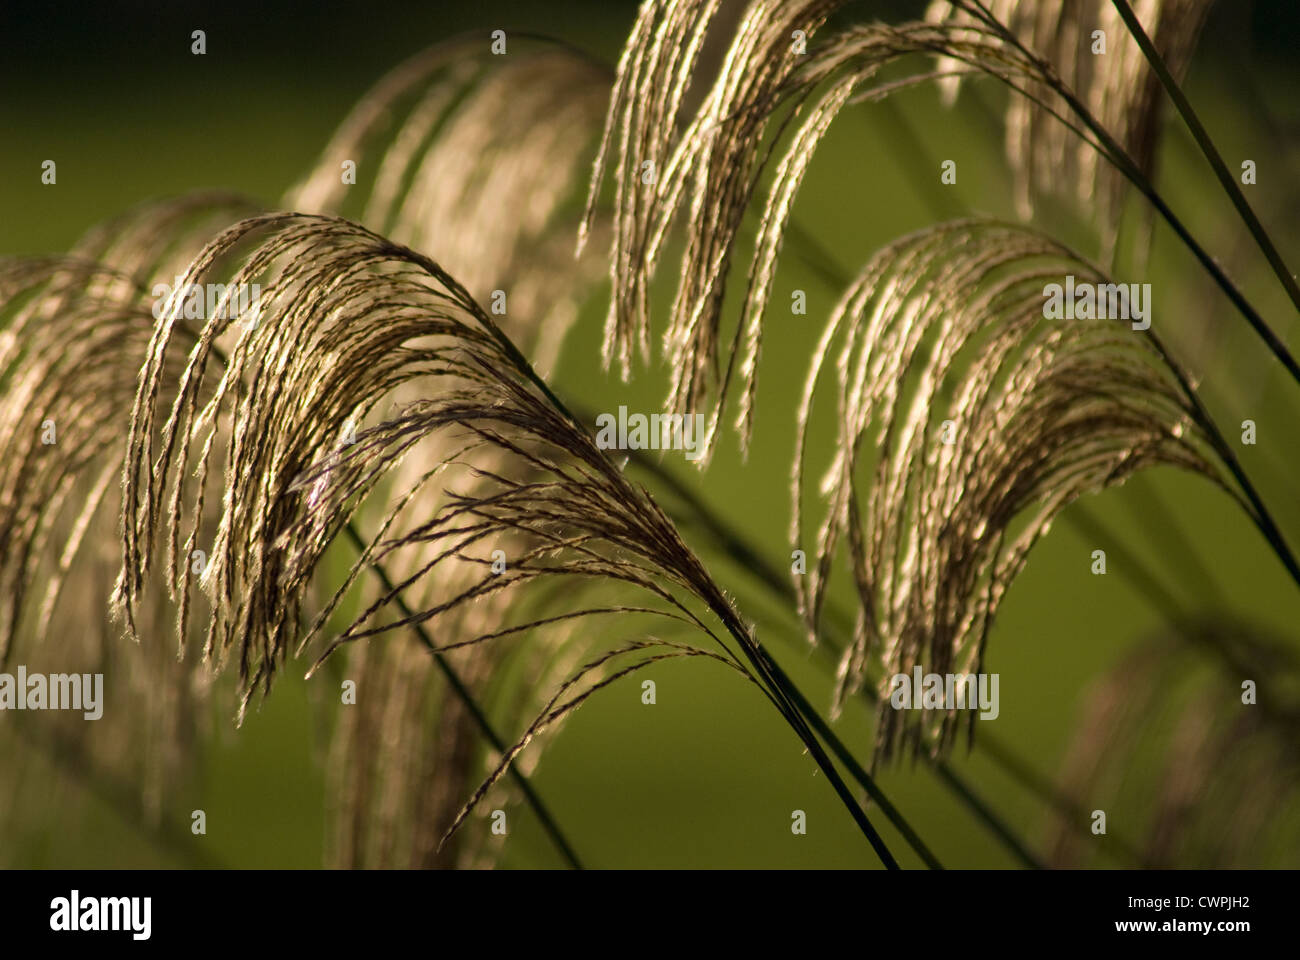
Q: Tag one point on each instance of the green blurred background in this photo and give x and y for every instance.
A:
(709, 776)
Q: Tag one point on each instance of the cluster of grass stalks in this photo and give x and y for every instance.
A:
(370, 465)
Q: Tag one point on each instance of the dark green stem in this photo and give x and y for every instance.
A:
(859, 774)
(784, 693)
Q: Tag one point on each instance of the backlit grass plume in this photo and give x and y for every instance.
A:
(68, 362)
(345, 318)
(967, 421)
